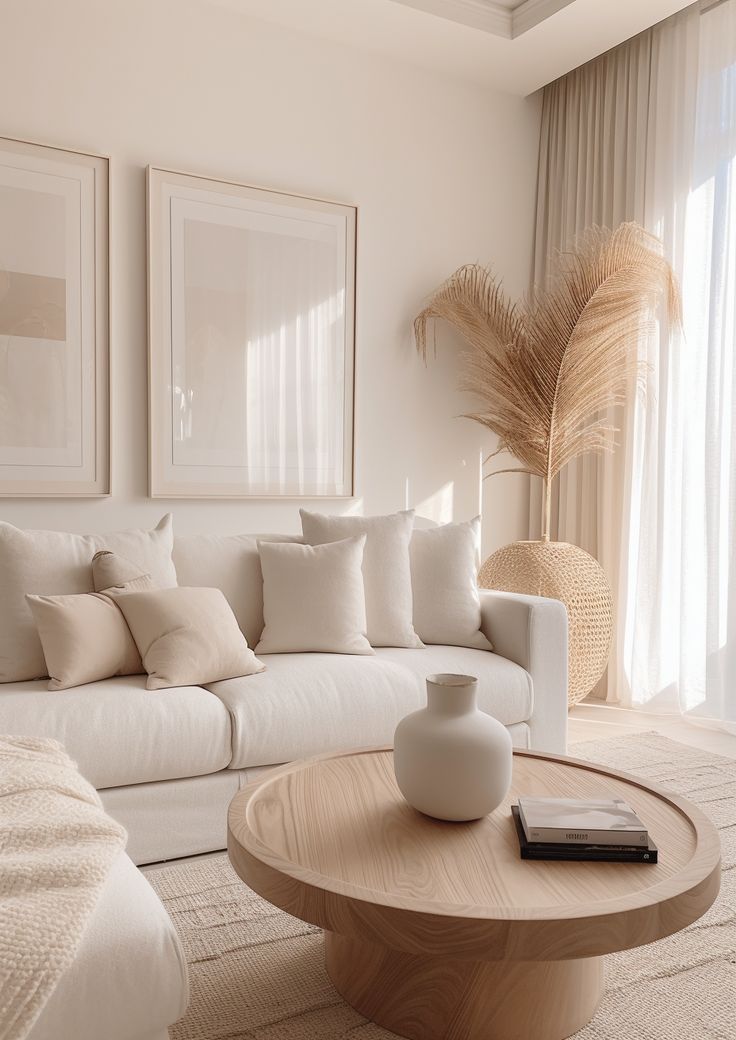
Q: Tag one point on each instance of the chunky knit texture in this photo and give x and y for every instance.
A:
(56, 847)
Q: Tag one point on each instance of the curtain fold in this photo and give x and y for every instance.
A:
(647, 132)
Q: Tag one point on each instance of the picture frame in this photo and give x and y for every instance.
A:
(251, 340)
(54, 321)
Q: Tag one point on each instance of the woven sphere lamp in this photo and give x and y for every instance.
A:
(559, 570)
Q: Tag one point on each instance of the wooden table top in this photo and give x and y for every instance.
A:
(332, 841)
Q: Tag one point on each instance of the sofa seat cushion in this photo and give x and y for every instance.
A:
(118, 732)
(129, 977)
(306, 704)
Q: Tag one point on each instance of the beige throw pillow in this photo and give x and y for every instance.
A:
(110, 569)
(444, 578)
(53, 563)
(186, 636)
(85, 637)
(313, 598)
(386, 570)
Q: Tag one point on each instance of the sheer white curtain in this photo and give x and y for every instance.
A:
(647, 132)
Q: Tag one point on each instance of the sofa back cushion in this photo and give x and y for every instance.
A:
(53, 563)
(231, 563)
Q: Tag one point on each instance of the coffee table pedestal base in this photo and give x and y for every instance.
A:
(429, 999)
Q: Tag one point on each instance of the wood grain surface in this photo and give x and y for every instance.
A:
(426, 998)
(332, 841)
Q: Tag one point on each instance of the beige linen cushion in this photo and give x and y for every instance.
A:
(85, 637)
(313, 598)
(386, 570)
(186, 636)
(110, 569)
(444, 578)
(52, 563)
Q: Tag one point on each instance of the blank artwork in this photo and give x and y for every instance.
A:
(53, 339)
(258, 290)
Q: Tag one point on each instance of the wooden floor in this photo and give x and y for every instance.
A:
(597, 721)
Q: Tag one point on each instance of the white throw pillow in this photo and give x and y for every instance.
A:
(51, 563)
(313, 598)
(444, 577)
(386, 569)
(186, 636)
(85, 637)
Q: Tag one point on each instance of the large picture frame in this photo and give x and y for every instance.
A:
(251, 341)
(54, 321)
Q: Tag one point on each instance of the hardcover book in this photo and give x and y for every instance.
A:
(580, 853)
(573, 821)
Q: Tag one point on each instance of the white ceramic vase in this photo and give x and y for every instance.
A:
(452, 761)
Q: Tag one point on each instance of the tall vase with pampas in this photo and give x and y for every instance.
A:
(545, 372)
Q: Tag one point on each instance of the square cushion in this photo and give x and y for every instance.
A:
(185, 636)
(118, 732)
(444, 579)
(313, 598)
(53, 563)
(85, 637)
(386, 569)
(307, 704)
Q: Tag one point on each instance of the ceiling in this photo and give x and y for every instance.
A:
(513, 45)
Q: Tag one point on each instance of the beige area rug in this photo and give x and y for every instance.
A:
(258, 974)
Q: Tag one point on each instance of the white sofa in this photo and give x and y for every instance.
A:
(129, 978)
(168, 762)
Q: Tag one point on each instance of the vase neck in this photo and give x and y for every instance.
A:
(452, 695)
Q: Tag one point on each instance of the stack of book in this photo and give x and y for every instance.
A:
(573, 829)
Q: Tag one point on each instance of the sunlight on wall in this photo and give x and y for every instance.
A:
(447, 504)
(355, 507)
(439, 506)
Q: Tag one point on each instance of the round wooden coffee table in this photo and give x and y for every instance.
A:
(437, 929)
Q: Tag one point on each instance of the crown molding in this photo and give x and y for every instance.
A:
(479, 14)
(532, 12)
(491, 17)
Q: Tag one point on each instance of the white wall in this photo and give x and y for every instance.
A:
(443, 173)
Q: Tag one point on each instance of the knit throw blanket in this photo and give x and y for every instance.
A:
(56, 847)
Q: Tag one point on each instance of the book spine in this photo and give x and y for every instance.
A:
(632, 855)
(559, 836)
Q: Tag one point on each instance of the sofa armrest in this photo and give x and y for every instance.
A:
(532, 632)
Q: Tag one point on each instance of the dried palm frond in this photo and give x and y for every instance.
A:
(545, 372)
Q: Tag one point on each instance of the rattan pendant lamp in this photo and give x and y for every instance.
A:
(545, 373)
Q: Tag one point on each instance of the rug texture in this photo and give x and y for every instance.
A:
(258, 974)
